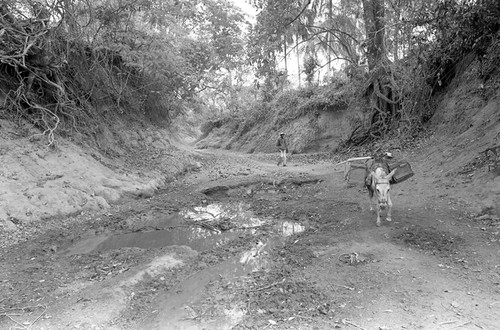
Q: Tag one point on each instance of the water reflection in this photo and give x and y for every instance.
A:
(198, 228)
(255, 259)
(238, 213)
(196, 238)
(288, 228)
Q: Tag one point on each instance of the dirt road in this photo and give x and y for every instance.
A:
(243, 244)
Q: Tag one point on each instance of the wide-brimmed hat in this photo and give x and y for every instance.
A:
(388, 154)
(282, 133)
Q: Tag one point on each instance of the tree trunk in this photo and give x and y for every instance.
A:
(329, 36)
(373, 14)
(396, 34)
(396, 44)
(286, 62)
(69, 18)
(298, 59)
(383, 102)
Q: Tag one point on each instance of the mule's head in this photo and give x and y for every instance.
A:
(381, 186)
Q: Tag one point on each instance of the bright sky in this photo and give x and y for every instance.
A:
(292, 60)
(245, 6)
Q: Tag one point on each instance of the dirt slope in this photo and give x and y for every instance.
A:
(39, 182)
(300, 250)
(466, 123)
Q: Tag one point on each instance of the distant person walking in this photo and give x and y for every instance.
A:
(283, 149)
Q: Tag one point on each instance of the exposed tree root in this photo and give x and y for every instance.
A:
(399, 105)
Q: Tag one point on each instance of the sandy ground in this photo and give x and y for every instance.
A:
(297, 248)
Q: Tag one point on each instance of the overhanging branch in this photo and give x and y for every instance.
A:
(300, 13)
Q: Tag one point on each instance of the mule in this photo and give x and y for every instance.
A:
(378, 183)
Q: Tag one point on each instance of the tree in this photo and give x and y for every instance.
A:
(374, 16)
(310, 65)
(64, 58)
(310, 27)
(275, 26)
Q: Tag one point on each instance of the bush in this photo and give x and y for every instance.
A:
(460, 28)
(490, 61)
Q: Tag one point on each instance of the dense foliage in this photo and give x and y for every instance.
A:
(397, 53)
(461, 29)
(67, 63)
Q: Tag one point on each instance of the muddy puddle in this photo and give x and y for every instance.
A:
(201, 228)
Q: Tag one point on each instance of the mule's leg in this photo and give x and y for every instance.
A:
(368, 185)
(389, 207)
(370, 194)
(378, 214)
(347, 169)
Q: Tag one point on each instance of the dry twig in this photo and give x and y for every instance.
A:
(352, 324)
(16, 322)
(461, 325)
(39, 316)
(270, 285)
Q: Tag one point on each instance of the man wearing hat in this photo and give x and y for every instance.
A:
(283, 148)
